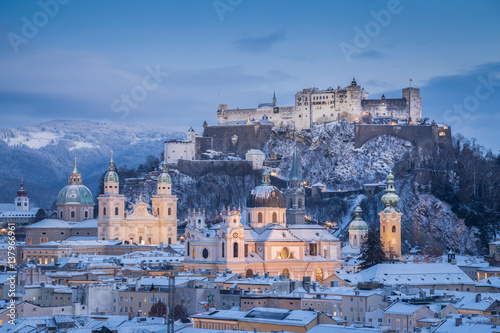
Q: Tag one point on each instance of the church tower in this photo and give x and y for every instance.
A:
(295, 194)
(390, 221)
(111, 206)
(232, 246)
(358, 229)
(164, 207)
(22, 202)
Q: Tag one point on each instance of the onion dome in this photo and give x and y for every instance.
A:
(358, 223)
(111, 176)
(390, 199)
(266, 195)
(164, 177)
(22, 192)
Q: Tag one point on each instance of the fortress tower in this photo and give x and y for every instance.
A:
(390, 221)
(413, 104)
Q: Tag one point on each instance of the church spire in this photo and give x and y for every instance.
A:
(390, 199)
(295, 177)
(274, 98)
(75, 178)
(112, 166)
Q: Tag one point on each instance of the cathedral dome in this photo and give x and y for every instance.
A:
(266, 195)
(75, 194)
(358, 223)
(111, 175)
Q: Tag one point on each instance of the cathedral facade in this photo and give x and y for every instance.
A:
(260, 240)
(141, 226)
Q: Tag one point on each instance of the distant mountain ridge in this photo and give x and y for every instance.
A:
(44, 154)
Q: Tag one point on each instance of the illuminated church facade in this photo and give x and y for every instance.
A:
(261, 240)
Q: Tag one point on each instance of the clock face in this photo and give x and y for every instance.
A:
(235, 235)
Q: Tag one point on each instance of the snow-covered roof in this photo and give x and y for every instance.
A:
(412, 274)
(56, 224)
(311, 233)
(255, 152)
(402, 308)
(276, 233)
(324, 328)
(493, 281)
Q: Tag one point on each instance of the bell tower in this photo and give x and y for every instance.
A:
(233, 243)
(164, 207)
(390, 221)
(111, 206)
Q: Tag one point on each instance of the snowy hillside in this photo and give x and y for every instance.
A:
(44, 154)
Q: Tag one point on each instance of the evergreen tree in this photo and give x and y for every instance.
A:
(40, 215)
(372, 251)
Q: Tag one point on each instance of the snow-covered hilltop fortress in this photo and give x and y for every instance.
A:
(314, 106)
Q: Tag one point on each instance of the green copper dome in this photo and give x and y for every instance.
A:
(164, 177)
(75, 194)
(358, 223)
(390, 199)
(111, 175)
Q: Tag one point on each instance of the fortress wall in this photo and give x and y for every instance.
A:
(422, 135)
(249, 137)
(199, 168)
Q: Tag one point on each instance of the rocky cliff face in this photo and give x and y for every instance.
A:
(327, 155)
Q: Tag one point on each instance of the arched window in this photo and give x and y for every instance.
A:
(248, 219)
(393, 228)
(260, 217)
(223, 250)
(299, 205)
(86, 214)
(249, 273)
(116, 210)
(187, 248)
(170, 211)
(72, 215)
(235, 250)
(383, 228)
(275, 217)
(290, 204)
(285, 272)
(194, 253)
(104, 211)
(319, 274)
(61, 214)
(140, 239)
(158, 211)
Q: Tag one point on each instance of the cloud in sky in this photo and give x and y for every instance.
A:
(260, 44)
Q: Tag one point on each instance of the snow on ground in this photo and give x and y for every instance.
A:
(33, 140)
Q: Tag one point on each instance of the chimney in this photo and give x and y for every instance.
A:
(306, 283)
(478, 298)
(458, 321)
(356, 292)
(432, 291)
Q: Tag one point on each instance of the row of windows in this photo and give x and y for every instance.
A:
(72, 214)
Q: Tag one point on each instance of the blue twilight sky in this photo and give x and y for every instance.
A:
(93, 59)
